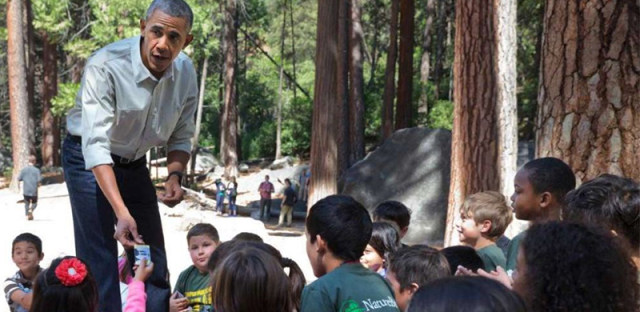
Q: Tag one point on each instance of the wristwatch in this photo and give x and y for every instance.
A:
(179, 174)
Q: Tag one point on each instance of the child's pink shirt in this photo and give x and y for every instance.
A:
(137, 297)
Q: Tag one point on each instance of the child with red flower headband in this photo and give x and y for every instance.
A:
(68, 286)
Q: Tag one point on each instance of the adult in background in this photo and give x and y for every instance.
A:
(265, 189)
(30, 177)
(136, 93)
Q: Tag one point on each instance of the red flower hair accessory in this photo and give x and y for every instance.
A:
(71, 271)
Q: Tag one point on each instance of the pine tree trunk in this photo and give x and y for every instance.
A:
(230, 95)
(423, 107)
(405, 65)
(196, 134)
(324, 146)
(375, 16)
(30, 61)
(443, 12)
(280, 95)
(484, 93)
(356, 99)
(50, 131)
(342, 113)
(390, 73)
(589, 96)
(18, 97)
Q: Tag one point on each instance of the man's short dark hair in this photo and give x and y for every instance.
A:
(464, 256)
(175, 8)
(343, 223)
(29, 238)
(418, 264)
(395, 211)
(551, 175)
(203, 229)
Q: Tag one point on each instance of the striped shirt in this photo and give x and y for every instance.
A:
(17, 282)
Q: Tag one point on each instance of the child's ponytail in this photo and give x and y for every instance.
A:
(296, 277)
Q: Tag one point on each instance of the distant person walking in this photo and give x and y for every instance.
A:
(265, 189)
(288, 200)
(305, 177)
(232, 192)
(220, 192)
(30, 177)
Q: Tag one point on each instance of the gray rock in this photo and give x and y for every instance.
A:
(243, 168)
(281, 163)
(206, 160)
(412, 167)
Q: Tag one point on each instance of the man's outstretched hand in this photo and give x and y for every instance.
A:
(173, 193)
(127, 232)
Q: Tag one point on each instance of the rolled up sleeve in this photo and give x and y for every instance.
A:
(182, 135)
(97, 100)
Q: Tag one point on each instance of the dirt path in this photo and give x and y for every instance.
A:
(54, 225)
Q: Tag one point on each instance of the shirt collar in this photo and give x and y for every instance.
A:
(140, 71)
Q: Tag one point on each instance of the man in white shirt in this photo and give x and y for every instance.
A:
(136, 93)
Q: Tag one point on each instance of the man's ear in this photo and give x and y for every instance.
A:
(189, 39)
(143, 25)
(485, 226)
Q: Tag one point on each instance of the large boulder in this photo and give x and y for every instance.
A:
(412, 167)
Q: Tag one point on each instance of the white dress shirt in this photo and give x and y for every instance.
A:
(123, 109)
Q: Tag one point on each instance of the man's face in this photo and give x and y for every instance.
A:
(26, 257)
(164, 36)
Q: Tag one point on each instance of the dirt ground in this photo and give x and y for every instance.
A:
(53, 223)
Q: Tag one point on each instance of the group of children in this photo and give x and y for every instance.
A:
(581, 253)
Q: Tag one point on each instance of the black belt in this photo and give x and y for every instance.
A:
(117, 160)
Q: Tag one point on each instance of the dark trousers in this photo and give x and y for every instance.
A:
(33, 200)
(265, 207)
(94, 220)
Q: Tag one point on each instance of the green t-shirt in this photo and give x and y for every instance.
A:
(492, 257)
(349, 288)
(512, 251)
(195, 287)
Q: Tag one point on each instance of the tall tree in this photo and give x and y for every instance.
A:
(442, 25)
(589, 96)
(196, 135)
(50, 124)
(425, 60)
(30, 61)
(324, 145)
(342, 112)
(18, 97)
(405, 68)
(390, 72)
(280, 95)
(481, 95)
(230, 113)
(356, 95)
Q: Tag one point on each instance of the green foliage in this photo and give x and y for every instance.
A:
(50, 16)
(65, 99)
(441, 115)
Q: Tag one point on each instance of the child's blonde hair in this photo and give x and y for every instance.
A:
(490, 206)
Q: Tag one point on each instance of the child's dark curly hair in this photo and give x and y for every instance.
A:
(574, 267)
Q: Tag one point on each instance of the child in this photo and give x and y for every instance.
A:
(484, 218)
(338, 229)
(192, 288)
(66, 286)
(295, 276)
(540, 188)
(137, 298)
(220, 191)
(288, 200)
(413, 267)
(232, 192)
(26, 253)
(247, 236)
(612, 202)
(573, 267)
(465, 293)
(464, 256)
(30, 177)
(250, 279)
(395, 212)
(384, 240)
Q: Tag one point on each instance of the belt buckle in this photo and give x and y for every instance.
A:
(125, 161)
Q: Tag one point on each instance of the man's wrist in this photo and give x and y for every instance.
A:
(176, 174)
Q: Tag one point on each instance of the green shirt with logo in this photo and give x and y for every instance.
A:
(195, 286)
(349, 288)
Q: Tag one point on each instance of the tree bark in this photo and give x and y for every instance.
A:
(390, 73)
(425, 60)
(443, 12)
(324, 146)
(405, 65)
(30, 61)
(18, 97)
(356, 93)
(196, 134)
(50, 150)
(589, 96)
(280, 95)
(342, 113)
(484, 93)
(230, 113)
